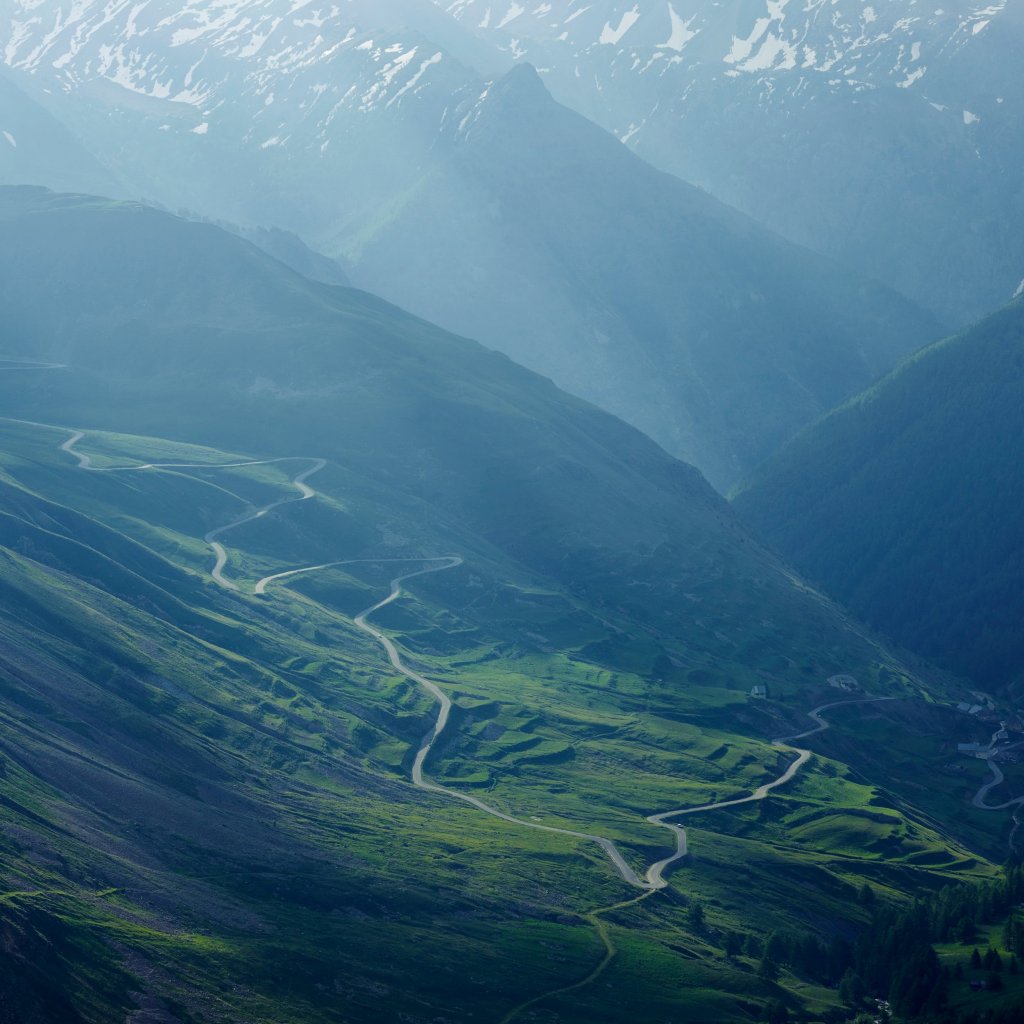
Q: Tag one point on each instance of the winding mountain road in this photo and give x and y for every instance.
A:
(444, 711)
(654, 877)
(997, 777)
(444, 702)
(996, 780)
(219, 551)
(655, 873)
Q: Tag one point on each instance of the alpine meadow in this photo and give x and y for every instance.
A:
(510, 513)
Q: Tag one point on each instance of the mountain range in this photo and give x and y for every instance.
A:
(883, 135)
(626, 286)
(377, 640)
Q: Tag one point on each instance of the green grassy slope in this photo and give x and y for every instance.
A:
(904, 503)
(205, 800)
(205, 796)
(179, 330)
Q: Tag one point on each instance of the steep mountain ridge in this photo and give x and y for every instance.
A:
(459, 196)
(538, 234)
(852, 128)
(206, 812)
(903, 502)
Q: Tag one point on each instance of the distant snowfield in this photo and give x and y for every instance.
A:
(316, 62)
(214, 56)
(295, 84)
(841, 38)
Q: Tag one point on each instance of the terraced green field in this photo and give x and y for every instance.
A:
(278, 825)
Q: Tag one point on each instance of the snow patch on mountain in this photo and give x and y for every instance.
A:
(681, 32)
(845, 43)
(224, 57)
(613, 36)
(514, 11)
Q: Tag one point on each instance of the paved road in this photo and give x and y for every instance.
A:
(656, 871)
(996, 780)
(220, 553)
(28, 364)
(654, 877)
(261, 586)
(445, 705)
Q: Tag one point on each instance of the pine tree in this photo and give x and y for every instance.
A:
(777, 948)
(992, 961)
(840, 956)
(851, 988)
(695, 917)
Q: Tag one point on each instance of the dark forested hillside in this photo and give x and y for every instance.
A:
(906, 502)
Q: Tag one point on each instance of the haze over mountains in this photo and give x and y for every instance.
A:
(40, 150)
(180, 330)
(626, 286)
(815, 118)
(376, 642)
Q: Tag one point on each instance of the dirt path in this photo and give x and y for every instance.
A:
(610, 950)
